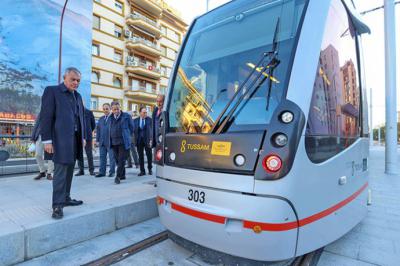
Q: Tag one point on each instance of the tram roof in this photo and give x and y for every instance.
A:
(356, 18)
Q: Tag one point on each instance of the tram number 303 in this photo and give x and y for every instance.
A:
(197, 196)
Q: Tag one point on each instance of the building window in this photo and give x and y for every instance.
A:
(163, 50)
(163, 71)
(96, 22)
(148, 109)
(117, 31)
(333, 119)
(117, 81)
(95, 76)
(118, 6)
(94, 103)
(95, 49)
(149, 87)
(117, 56)
(164, 30)
(163, 89)
(175, 36)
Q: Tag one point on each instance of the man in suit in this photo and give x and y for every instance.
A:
(156, 117)
(90, 125)
(39, 153)
(62, 131)
(144, 137)
(103, 142)
(133, 147)
(121, 129)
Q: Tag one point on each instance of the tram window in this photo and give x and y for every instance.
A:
(334, 116)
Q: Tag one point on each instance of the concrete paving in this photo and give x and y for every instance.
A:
(28, 231)
(376, 240)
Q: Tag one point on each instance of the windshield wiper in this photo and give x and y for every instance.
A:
(274, 62)
(239, 90)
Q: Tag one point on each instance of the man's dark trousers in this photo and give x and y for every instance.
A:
(89, 155)
(134, 155)
(120, 155)
(103, 160)
(62, 179)
(141, 148)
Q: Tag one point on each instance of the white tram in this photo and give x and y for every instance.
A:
(262, 148)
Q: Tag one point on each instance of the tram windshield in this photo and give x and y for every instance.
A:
(222, 51)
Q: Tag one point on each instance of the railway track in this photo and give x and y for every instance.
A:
(310, 259)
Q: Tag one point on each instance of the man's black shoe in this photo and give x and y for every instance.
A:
(117, 181)
(79, 173)
(111, 175)
(57, 213)
(150, 172)
(92, 173)
(73, 202)
(39, 176)
(141, 174)
(122, 178)
(99, 175)
(137, 166)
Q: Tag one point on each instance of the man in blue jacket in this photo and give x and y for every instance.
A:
(121, 129)
(62, 132)
(144, 137)
(90, 125)
(103, 142)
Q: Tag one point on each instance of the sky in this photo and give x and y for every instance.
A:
(373, 47)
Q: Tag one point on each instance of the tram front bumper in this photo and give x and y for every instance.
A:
(261, 228)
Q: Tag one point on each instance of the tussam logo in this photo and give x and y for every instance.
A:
(193, 146)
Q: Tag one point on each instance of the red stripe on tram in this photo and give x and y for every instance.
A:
(269, 226)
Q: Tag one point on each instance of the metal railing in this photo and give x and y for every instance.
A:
(130, 61)
(143, 41)
(136, 15)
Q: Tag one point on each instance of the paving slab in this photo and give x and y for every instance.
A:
(376, 240)
(27, 229)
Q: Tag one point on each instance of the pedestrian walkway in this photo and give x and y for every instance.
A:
(27, 229)
(376, 240)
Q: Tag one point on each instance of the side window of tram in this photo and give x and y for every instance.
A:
(333, 120)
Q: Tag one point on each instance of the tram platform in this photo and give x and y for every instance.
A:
(376, 240)
(27, 229)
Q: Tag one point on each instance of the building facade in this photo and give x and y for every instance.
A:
(135, 44)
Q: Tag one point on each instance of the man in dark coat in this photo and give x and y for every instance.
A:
(62, 131)
(90, 125)
(103, 142)
(143, 131)
(121, 129)
(155, 116)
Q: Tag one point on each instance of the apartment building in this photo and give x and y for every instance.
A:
(135, 44)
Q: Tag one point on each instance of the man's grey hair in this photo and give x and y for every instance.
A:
(114, 103)
(72, 69)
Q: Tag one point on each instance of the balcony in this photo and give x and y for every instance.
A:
(152, 6)
(141, 94)
(144, 23)
(142, 68)
(143, 45)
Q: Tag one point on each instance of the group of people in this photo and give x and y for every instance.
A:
(64, 128)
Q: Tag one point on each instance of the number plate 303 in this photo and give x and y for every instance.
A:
(197, 196)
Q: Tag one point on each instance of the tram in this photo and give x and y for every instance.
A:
(262, 147)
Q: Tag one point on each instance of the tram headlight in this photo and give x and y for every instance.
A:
(272, 163)
(172, 156)
(239, 160)
(280, 139)
(287, 117)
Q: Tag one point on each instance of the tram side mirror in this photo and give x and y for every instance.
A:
(4, 156)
